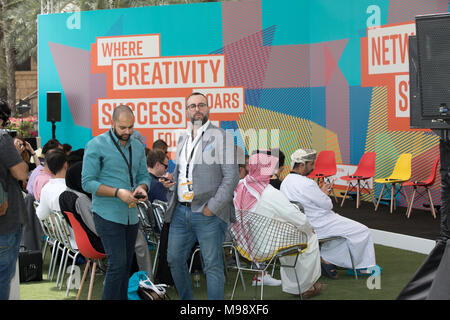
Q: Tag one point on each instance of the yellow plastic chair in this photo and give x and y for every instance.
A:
(400, 174)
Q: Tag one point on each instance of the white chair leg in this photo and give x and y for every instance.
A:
(431, 203)
(392, 196)
(345, 195)
(408, 213)
(83, 279)
(52, 257)
(379, 198)
(71, 274)
(357, 195)
(61, 266)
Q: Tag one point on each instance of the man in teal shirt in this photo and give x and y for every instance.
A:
(115, 173)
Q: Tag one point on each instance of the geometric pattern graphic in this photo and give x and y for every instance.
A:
(293, 132)
(406, 10)
(306, 90)
(81, 87)
(388, 146)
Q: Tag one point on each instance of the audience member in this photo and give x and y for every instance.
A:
(56, 160)
(254, 193)
(157, 163)
(75, 156)
(115, 173)
(77, 201)
(51, 144)
(242, 159)
(161, 145)
(26, 152)
(12, 218)
(326, 223)
(201, 206)
(275, 178)
(67, 149)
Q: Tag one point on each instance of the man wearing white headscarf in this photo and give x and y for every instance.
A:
(318, 208)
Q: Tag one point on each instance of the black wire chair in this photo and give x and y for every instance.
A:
(151, 218)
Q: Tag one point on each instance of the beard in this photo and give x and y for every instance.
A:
(308, 172)
(199, 122)
(123, 137)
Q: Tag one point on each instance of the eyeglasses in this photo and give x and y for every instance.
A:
(165, 165)
(200, 106)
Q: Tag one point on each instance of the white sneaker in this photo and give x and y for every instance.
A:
(268, 281)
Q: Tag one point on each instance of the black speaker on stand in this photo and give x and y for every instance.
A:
(53, 109)
(430, 101)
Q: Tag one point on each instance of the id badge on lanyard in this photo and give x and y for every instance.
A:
(188, 187)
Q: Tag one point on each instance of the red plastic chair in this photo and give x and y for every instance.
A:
(364, 172)
(86, 249)
(426, 184)
(325, 167)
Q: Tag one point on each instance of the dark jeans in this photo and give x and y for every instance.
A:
(119, 241)
(9, 251)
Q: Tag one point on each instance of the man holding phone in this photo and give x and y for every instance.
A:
(160, 180)
(115, 172)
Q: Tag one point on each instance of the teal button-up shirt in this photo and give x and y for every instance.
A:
(103, 164)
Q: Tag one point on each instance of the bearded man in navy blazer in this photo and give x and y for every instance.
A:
(201, 204)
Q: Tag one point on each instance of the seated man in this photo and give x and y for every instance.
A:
(56, 160)
(157, 164)
(79, 202)
(326, 223)
(41, 175)
(275, 180)
(254, 193)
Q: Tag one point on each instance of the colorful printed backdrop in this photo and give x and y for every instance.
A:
(327, 74)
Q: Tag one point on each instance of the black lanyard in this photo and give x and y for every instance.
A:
(129, 164)
(192, 153)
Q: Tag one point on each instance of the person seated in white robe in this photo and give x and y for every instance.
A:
(255, 194)
(326, 223)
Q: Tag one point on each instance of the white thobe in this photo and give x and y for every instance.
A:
(318, 208)
(273, 204)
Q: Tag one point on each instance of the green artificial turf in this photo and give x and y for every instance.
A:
(398, 268)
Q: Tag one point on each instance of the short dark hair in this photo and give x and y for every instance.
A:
(51, 144)
(75, 156)
(67, 147)
(155, 156)
(5, 112)
(160, 144)
(196, 94)
(55, 160)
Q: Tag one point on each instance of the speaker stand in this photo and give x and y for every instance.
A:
(53, 130)
(444, 146)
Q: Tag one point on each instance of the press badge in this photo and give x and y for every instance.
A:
(188, 192)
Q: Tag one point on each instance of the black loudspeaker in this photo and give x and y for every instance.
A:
(416, 120)
(53, 106)
(433, 48)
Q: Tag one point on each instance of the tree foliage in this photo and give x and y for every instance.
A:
(18, 29)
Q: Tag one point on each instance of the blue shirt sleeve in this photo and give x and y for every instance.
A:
(91, 168)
